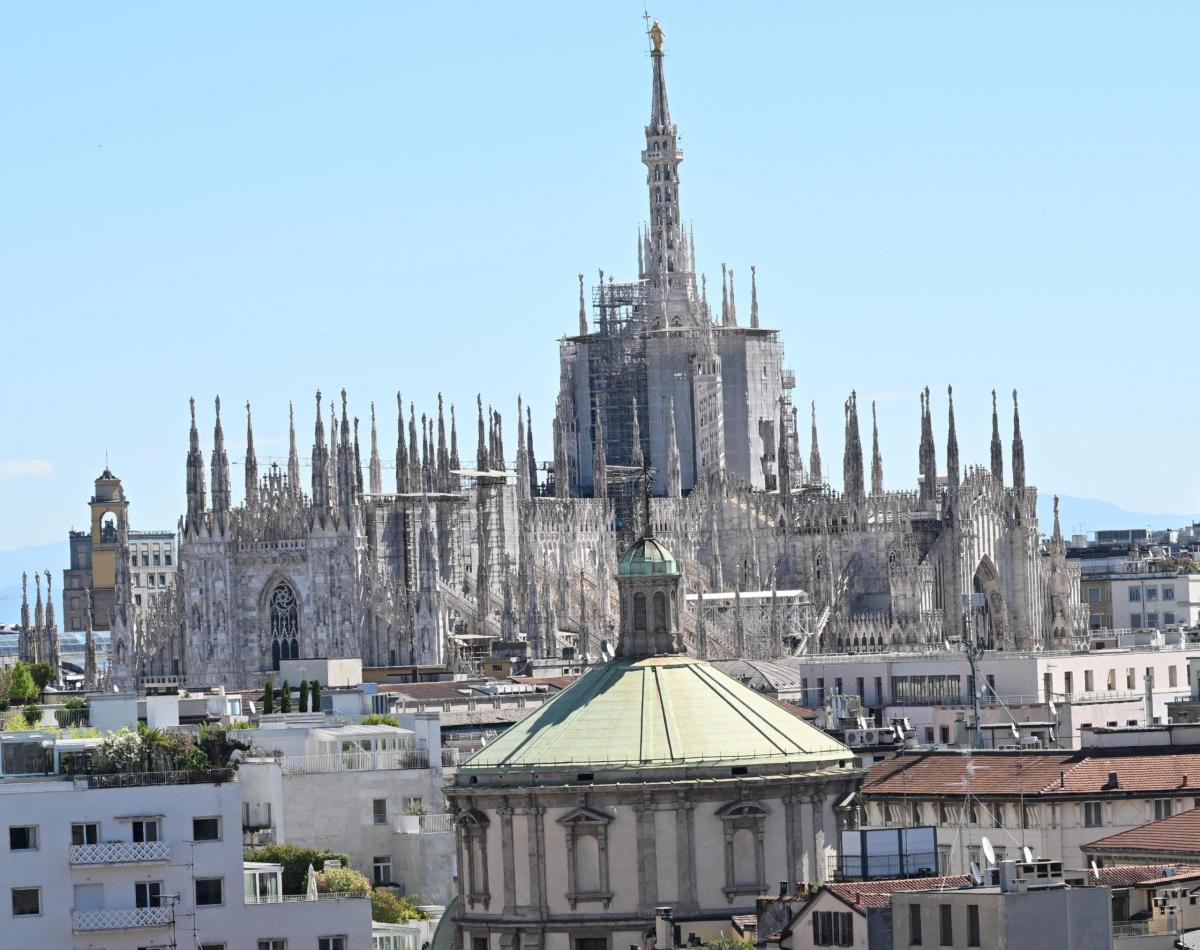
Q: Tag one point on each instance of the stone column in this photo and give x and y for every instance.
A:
(819, 837)
(795, 847)
(805, 803)
(685, 856)
(537, 859)
(647, 861)
(506, 852)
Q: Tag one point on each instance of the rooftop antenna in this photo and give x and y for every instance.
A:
(989, 853)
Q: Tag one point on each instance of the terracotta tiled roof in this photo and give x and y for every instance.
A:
(1135, 875)
(988, 773)
(434, 692)
(800, 712)
(1178, 833)
(864, 894)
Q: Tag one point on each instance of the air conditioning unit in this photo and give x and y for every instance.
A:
(853, 737)
(870, 737)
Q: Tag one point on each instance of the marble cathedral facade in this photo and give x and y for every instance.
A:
(457, 553)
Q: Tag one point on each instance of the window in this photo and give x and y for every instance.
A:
(660, 612)
(1093, 595)
(1093, 814)
(916, 813)
(973, 925)
(1088, 682)
(997, 815)
(208, 891)
(1168, 592)
(331, 943)
(1152, 619)
(591, 943)
(379, 811)
(1162, 808)
(1135, 620)
(272, 945)
(1172, 672)
(382, 873)
(23, 838)
(149, 580)
(157, 557)
(481, 943)
(639, 611)
(946, 924)
(133, 559)
(206, 829)
(147, 894)
(137, 580)
(26, 901)
(85, 832)
(162, 580)
(137, 600)
(914, 925)
(145, 829)
(1135, 595)
(833, 928)
(1168, 618)
(167, 558)
(1130, 678)
(1152, 593)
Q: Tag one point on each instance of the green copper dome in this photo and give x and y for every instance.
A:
(647, 556)
(673, 713)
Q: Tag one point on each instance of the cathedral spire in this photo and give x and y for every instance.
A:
(814, 454)
(401, 449)
(320, 462)
(251, 461)
(599, 461)
(522, 462)
(927, 454)
(25, 641)
(783, 459)
(414, 450)
(443, 453)
(637, 459)
(358, 475)
(583, 322)
(52, 654)
(293, 465)
(732, 302)
(481, 449)
(220, 466)
(89, 642)
(376, 469)
(1018, 448)
(753, 297)
(997, 449)
(334, 464)
(876, 455)
(529, 459)
(852, 458)
(952, 466)
(674, 476)
(195, 476)
(455, 464)
(724, 296)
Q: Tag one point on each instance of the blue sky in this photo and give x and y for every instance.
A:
(260, 200)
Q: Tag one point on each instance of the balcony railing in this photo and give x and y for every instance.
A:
(257, 837)
(355, 762)
(120, 852)
(134, 779)
(121, 918)
(1151, 927)
(324, 896)
(424, 824)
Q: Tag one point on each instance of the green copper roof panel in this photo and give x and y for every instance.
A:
(655, 712)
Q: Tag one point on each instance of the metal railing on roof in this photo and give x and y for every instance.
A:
(355, 761)
(137, 779)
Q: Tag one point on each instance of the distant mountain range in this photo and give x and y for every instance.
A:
(1077, 515)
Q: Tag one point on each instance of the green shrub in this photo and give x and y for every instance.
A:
(387, 908)
(32, 714)
(42, 675)
(75, 702)
(341, 880)
(21, 689)
(416, 807)
(380, 719)
(268, 698)
(295, 861)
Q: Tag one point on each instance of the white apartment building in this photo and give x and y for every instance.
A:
(1052, 695)
(353, 789)
(130, 861)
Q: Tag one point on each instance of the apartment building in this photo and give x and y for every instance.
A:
(143, 860)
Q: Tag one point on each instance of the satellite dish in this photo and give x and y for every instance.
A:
(1016, 733)
(1053, 710)
(1095, 870)
(989, 853)
(976, 877)
(1028, 853)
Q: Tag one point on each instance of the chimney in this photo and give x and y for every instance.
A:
(664, 931)
(1114, 780)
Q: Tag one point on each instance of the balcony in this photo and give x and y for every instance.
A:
(425, 824)
(138, 779)
(1151, 927)
(354, 761)
(120, 852)
(120, 918)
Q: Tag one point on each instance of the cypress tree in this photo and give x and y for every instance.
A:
(268, 699)
(315, 695)
(285, 698)
(303, 707)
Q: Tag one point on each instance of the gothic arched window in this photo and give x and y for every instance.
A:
(285, 624)
(639, 611)
(660, 612)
